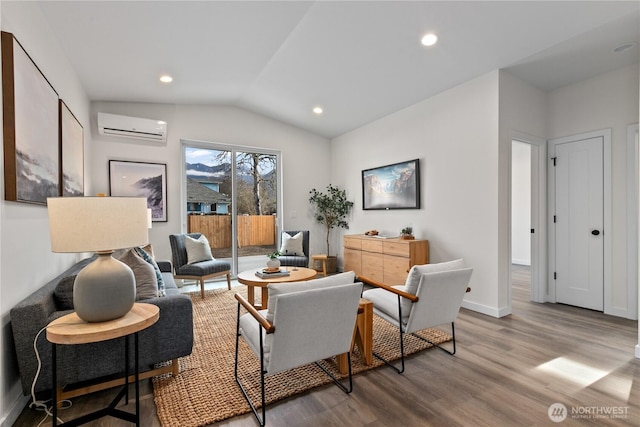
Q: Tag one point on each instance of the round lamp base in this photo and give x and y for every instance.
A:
(104, 290)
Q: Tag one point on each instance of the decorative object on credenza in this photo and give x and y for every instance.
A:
(371, 233)
(30, 128)
(407, 233)
(106, 288)
(331, 210)
(274, 263)
(395, 186)
(141, 179)
(71, 153)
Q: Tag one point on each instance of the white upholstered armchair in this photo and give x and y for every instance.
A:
(305, 322)
(432, 296)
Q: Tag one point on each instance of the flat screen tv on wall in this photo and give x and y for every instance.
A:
(395, 186)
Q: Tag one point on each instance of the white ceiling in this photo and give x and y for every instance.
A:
(359, 60)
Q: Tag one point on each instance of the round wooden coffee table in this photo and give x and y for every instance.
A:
(249, 278)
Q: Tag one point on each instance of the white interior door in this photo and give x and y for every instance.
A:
(579, 220)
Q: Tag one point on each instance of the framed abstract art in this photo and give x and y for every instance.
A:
(30, 128)
(141, 179)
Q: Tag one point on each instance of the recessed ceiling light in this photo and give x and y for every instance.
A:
(429, 39)
(166, 78)
(318, 110)
(624, 47)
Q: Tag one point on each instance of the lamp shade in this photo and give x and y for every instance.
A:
(96, 224)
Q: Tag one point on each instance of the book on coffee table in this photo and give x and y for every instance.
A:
(267, 274)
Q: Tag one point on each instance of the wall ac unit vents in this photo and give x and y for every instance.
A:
(132, 127)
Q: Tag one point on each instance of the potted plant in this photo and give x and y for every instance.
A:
(407, 233)
(274, 262)
(330, 209)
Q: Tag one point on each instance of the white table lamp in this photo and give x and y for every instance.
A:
(106, 288)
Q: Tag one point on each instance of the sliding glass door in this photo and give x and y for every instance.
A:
(232, 198)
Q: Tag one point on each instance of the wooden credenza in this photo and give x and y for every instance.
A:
(385, 260)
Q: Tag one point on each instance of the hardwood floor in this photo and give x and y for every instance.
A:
(507, 372)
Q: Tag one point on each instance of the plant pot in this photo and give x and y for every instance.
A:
(273, 264)
(407, 237)
(332, 264)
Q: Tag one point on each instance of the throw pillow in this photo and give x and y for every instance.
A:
(149, 258)
(291, 245)
(197, 250)
(146, 282)
(149, 249)
(63, 293)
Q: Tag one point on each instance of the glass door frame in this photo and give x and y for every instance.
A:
(233, 149)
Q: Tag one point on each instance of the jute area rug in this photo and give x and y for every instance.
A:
(205, 391)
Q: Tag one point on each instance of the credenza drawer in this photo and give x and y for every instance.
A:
(352, 243)
(372, 245)
(396, 248)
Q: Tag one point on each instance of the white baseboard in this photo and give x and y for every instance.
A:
(526, 262)
(638, 351)
(16, 409)
(484, 309)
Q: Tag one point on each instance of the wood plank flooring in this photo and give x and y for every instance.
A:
(507, 372)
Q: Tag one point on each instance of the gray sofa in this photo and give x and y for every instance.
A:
(168, 339)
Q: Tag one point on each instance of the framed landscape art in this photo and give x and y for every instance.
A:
(30, 128)
(140, 179)
(395, 186)
(71, 153)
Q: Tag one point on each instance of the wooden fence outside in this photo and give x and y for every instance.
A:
(253, 230)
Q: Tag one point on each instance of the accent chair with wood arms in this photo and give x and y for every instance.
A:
(305, 322)
(432, 296)
(199, 271)
(295, 259)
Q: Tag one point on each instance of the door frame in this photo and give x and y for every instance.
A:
(538, 214)
(633, 210)
(605, 134)
(233, 149)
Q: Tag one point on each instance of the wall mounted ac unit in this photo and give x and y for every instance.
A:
(132, 127)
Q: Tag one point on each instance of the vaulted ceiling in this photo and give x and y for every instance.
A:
(358, 60)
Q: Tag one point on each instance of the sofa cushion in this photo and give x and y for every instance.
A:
(197, 249)
(149, 258)
(63, 293)
(146, 281)
(291, 245)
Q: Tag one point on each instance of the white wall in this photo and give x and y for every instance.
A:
(606, 101)
(26, 260)
(522, 115)
(455, 136)
(305, 163)
(521, 203)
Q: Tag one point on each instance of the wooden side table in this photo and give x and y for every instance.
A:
(322, 263)
(70, 329)
(362, 336)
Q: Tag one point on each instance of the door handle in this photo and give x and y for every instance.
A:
(595, 232)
